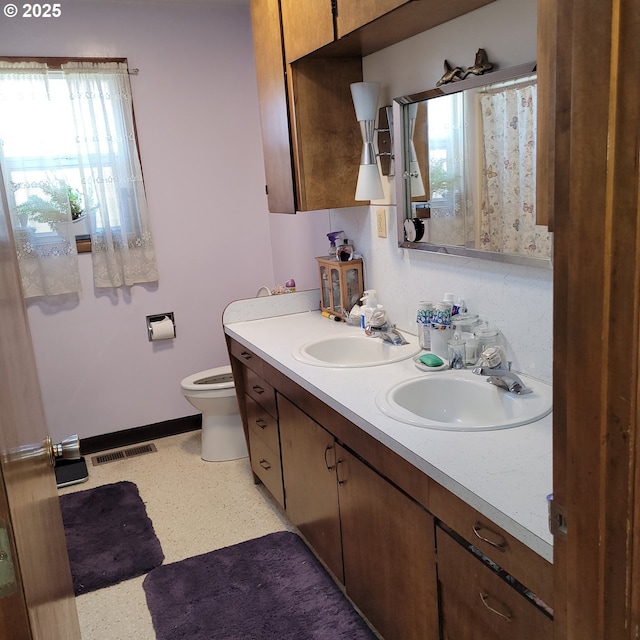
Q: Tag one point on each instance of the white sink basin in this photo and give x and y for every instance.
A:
(463, 401)
(353, 351)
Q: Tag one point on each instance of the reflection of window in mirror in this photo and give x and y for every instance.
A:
(445, 134)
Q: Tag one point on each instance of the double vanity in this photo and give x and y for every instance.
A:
(436, 525)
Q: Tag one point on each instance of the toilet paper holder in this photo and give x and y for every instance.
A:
(157, 318)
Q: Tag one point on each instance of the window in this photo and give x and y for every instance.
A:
(68, 152)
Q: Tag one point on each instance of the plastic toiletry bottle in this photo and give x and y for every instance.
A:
(423, 320)
(448, 299)
(369, 305)
(345, 251)
(333, 236)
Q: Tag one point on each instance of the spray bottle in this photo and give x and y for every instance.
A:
(333, 236)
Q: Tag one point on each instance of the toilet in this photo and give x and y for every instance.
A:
(212, 391)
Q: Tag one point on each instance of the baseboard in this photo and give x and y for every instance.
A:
(137, 435)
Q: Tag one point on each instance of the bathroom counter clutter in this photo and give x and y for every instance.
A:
(504, 474)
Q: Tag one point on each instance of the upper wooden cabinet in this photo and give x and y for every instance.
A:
(307, 26)
(361, 27)
(311, 140)
(272, 93)
(353, 14)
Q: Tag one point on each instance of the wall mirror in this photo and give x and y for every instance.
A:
(466, 184)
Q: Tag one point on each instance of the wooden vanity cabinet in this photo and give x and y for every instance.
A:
(375, 539)
(397, 540)
(388, 544)
(500, 547)
(311, 490)
(259, 413)
(477, 604)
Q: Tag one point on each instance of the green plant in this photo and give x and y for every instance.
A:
(440, 180)
(53, 209)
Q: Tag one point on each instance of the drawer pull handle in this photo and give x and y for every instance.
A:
(265, 465)
(326, 461)
(245, 356)
(258, 389)
(500, 544)
(485, 601)
(261, 423)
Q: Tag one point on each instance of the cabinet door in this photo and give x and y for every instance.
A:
(274, 116)
(307, 26)
(325, 134)
(353, 14)
(388, 544)
(311, 492)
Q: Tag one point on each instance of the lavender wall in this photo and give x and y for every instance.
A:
(198, 125)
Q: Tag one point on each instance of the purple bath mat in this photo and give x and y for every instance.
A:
(270, 588)
(109, 536)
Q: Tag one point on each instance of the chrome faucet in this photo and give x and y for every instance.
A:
(387, 332)
(502, 377)
(491, 365)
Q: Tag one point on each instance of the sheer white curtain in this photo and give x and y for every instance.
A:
(508, 218)
(121, 243)
(36, 180)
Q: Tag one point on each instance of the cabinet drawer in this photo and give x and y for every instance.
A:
(265, 463)
(262, 424)
(524, 564)
(262, 392)
(477, 604)
(247, 357)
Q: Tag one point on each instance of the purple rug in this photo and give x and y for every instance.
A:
(109, 536)
(270, 588)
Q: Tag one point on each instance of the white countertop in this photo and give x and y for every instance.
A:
(505, 474)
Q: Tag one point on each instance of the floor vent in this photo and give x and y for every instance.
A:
(112, 456)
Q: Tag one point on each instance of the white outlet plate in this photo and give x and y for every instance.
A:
(381, 221)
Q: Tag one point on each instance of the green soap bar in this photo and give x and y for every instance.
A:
(431, 360)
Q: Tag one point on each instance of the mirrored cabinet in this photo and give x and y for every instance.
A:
(467, 184)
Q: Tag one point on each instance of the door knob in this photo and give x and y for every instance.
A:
(68, 449)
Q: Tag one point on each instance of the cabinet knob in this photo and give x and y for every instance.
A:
(245, 356)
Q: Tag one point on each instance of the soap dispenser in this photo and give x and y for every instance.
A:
(369, 305)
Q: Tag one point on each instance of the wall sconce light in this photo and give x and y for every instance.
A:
(365, 101)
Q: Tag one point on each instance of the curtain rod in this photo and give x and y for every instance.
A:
(55, 63)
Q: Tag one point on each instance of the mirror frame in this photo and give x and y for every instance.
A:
(403, 184)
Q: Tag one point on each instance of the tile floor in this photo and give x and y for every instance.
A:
(195, 507)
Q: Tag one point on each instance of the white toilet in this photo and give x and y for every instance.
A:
(212, 391)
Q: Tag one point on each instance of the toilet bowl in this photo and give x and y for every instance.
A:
(213, 393)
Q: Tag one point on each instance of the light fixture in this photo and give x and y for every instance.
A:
(365, 101)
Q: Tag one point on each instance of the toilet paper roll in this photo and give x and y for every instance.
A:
(162, 329)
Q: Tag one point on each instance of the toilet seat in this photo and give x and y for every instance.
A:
(209, 380)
